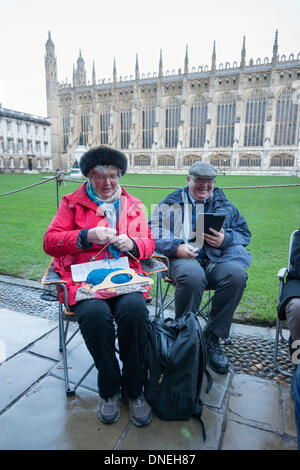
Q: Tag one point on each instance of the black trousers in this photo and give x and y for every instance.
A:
(96, 321)
(228, 280)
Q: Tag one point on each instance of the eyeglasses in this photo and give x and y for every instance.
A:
(200, 181)
(103, 177)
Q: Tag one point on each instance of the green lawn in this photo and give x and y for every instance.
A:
(272, 214)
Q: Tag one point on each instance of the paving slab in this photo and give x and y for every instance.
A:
(79, 360)
(45, 419)
(242, 437)
(18, 330)
(288, 410)
(217, 393)
(18, 374)
(176, 435)
(48, 346)
(252, 402)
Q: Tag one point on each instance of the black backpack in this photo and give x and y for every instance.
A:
(175, 363)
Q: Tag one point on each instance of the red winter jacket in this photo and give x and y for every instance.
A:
(77, 212)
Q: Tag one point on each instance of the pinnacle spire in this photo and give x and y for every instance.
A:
(186, 61)
(213, 58)
(160, 72)
(137, 71)
(94, 74)
(243, 54)
(275, 49)
(115, 71)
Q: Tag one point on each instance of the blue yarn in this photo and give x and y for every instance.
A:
(98, 275)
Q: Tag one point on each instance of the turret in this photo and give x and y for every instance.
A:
(51, 70)
(243, 53)
(80, 72)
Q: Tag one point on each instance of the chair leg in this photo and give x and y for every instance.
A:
(62, 343)
(276, 344)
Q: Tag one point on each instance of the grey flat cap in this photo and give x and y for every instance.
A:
(204, 169)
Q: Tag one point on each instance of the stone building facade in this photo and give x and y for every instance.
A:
(25, 142)
(243, 117)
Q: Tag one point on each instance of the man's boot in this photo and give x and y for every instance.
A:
(217, 359)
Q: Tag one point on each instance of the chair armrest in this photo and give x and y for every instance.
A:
(51, 277)
(281, 273)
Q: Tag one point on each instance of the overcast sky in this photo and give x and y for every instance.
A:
(104, 29)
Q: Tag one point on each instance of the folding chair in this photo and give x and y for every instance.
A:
(51, 280)
(280, 323)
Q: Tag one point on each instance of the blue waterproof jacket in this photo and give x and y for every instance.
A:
(164, 225)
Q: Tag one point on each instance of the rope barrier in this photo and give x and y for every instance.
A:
(178, 187)
(60, 178)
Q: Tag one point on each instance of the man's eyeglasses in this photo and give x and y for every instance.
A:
(200, 181)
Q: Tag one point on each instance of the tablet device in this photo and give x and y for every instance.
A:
(215, 221)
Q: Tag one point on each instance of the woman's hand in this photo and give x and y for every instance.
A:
(123, 242)
(101, 235)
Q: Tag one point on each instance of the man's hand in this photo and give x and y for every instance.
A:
(101, 235)
(123, 242)
(186, 251)
(214, 239)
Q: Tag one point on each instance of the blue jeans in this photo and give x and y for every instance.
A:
(297, 403)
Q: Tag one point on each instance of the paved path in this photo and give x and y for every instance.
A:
(240, 412)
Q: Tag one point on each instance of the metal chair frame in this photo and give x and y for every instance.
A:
(280, 323)
(160, 306)
(65, 315)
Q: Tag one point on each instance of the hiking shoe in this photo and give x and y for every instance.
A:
(109, 410)
(140, 412)
(217, 359)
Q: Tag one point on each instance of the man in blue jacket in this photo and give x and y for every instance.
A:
(217, 261)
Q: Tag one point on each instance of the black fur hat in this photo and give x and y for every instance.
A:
(102, 155)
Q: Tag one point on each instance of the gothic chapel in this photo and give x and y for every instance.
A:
(244, 117)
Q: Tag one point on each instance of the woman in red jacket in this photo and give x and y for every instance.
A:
(102, 221)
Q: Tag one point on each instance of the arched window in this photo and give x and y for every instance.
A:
(172, 123)
(142, 160)
(255, 119)
(286, 119)
(148, 119)
(104, 125)
(126, 119)
(166, 160)
(190, 159)
(198, 122)
(66, 129)
(220, 161)
(250, 161)
(283, 160)
(225, 121)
